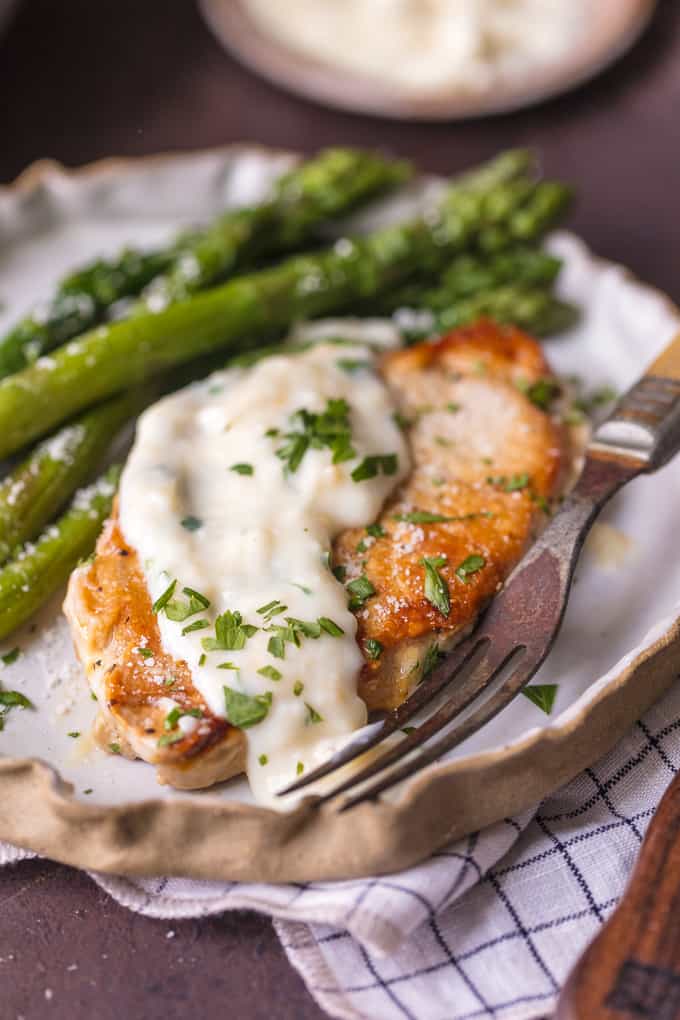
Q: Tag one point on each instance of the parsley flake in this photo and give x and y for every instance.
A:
(469, 566)
(353, 365)
(312, 715)
(298, 688)
(373, 648)
(243, 469)
(360, 589)
(542, 695)
(329, 429)
(191, 523)
(9, 657)
(231, 633)
(436, 589)
(244, 710)
(270, 672)
(371, 467)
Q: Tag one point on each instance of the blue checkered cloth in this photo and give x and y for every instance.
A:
(488, 928)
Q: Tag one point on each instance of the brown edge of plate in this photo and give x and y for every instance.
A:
(205, 837)
(616, 26)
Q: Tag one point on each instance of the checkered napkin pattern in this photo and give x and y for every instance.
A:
(487, 928)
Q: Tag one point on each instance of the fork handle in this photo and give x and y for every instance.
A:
(644, 427)
(667, 364)
(631, 971)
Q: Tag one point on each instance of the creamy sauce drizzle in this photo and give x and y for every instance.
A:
(255, 538)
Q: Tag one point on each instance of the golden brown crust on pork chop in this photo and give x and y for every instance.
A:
(483, 454)
(110, 612)
(474, 435)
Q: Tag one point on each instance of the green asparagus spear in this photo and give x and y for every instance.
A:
(533, 309)
(35, 491)
(39, 570)
(79, 303)
(326, 187)
(249, 309)
(471, 274)
(331, 184)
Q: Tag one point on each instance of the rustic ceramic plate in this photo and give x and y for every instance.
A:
(618, 651)
(612, 27)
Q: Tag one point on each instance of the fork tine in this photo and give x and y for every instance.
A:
(424, 693)
(479, 680)
(503, 696)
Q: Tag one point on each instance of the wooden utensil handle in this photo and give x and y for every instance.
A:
(631, 971)
(668, 362)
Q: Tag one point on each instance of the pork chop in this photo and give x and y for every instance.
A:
(487, 460)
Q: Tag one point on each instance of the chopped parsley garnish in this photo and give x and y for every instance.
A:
(74, 734)
(469, 566)
(302, 587)
(270, 433)
(370, 467)
(169, 681)
(263, 759)
(202, 660)
(424, 517)
(541, 502)
(514, 483)
(541, 393)
(244, 710)
(360, 589)
(271, 673)
(294, 630)
(339, 573)
(329, 429)
(146, 653)
(175, 714)
(9, 657)
(271, 609)
(373, 648)
(191, 523)
(312, 715)
(436, 588)
(453, 407)
(298, 688)
(299, 768)
(10, 700)
(228, 665)
(179, 610)
(353, 365)
(330, 626)
(542, 695)
(243, 469)
(231, 633)
(170, 738)
(443, 441)
(162, 600)
(276, 646)
(114, 748)
(196, 625)
(376, 531)
(432, 657)
(401, 421)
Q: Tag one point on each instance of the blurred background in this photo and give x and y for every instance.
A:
(81, 80)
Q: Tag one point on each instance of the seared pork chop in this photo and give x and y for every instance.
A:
(487, 459)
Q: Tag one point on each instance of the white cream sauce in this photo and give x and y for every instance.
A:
(429, 44)
(263, 537)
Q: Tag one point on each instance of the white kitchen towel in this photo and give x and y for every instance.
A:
(488, 928)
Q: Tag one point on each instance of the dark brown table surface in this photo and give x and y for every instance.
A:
(81, 79)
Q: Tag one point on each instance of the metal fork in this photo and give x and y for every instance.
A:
(521, 624)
